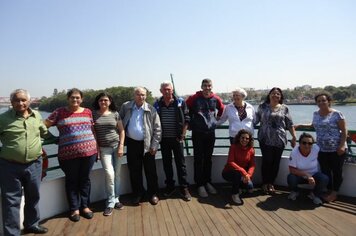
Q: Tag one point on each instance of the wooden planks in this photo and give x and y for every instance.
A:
(260, 215)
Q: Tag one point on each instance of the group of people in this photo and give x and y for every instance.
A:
(100, 134)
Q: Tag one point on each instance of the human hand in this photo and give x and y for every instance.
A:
(152, 151)
(311, 181)
(341, 150)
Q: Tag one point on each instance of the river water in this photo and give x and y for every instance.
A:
(301, 114)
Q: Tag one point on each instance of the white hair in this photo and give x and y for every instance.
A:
(166, 83)
(140, 89)
(240, 91)
(16, 91)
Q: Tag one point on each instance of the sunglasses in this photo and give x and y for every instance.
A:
(307, 143)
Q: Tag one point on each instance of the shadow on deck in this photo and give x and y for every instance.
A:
(260, 215)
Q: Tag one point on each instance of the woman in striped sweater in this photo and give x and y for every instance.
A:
(110, 136)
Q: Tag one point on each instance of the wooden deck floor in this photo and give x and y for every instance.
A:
(260, 215)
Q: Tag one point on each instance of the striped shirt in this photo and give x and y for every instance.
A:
(76, 138)
(168, 121)
(106, 128)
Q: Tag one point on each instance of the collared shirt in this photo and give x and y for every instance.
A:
(135, 129)
(21, 137)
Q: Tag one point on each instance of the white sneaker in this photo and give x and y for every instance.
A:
(293, 195)
(211, 188)
(202, 191)
(236, 199)
(316, 200)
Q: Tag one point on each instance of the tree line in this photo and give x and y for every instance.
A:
(303, 94)
(120, 95)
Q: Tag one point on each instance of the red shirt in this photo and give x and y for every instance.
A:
(241, 159)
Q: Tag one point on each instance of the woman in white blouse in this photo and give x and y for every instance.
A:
(239, 113)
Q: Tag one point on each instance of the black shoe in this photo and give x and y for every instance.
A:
(74, 218)
(136, 200)
(168, 191)
(154, 199)
(38, 229)
(119, 206)
(108, 211)
(186, 194)
(88, 215)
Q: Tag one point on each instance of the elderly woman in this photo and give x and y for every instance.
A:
(303, 168)
(77, 151)
(275, 120)
(331, 133)
(240, 164)
(239, 113)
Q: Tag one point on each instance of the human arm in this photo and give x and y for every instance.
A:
(294, 138)
(251, 167)
(231, 161)
(303, 126)
(156, 134)
(342, 146)
(305, 175)
(120, 149)
(220, 107)
(223, 117)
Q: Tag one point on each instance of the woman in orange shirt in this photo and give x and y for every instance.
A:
(240, 164)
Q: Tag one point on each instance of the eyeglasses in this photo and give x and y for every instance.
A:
(307, 143)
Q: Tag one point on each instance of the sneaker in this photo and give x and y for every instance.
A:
(293, 195)
(169, 191)
(108, 211)
(202, 191)
(316, 200)
(236, 199)
(210, 188)
(119, 206)
(186, 194)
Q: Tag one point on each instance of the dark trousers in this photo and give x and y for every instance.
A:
(234, 176)
(136, 158)
(77, 181)
(13, 177)
(271, 157)
(203, 144)
(321, 181)
(169, 145)
(331, 164)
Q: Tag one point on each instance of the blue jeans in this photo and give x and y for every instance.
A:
(112, 166)
(321, 181)
(77, 181)
(235, 177)
(13, 177)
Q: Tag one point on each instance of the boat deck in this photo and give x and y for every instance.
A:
(260, 215)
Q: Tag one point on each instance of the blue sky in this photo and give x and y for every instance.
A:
(95, 44)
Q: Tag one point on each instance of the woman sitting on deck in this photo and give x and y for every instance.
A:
(240, 164)
(303, 168)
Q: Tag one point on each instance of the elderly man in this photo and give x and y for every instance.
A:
(143, 134)
(21, 130)
(205, 108)
(174, 118)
